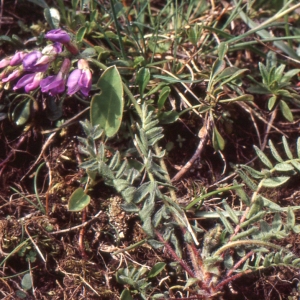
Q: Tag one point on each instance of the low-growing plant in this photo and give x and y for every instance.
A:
(127, 74)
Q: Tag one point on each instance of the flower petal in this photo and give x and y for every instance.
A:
(26, 79)
(72, 83)
(58, 35)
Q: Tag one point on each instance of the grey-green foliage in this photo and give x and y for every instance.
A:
(255, 233)
(139, 198)
(273, 174)
(277, 84)
(138, 279)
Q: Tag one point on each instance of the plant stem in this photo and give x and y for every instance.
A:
(248, 242)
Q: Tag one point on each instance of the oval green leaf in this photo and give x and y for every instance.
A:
(126, 295)
(157, 268)
(163, 97)
(218, 141)
(78, 200)
(80, 34)
(286, 111)
(107, 107)
(275, 181)
(21, 112)
(26, 282)
(52, 17)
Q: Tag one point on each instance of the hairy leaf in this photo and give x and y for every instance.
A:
(287, 148)
(263, 157)
(275, 181)
(275, 152)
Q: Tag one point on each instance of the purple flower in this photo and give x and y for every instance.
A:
(29, 81)
(17, 58)
(15, 74)
(58, 35)
(56, 84)
(80, 79)
(4, 62)
(31, 59)
(49, 54)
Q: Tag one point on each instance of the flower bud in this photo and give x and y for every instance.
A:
(17, 58)
(58, 35)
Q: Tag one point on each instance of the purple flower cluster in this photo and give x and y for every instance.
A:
(34, 65)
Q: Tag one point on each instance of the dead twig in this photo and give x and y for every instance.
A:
(203, 134)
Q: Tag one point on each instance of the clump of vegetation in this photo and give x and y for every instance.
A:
(130, 134)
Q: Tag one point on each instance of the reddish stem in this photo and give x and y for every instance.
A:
(81, 236)
(174, 255)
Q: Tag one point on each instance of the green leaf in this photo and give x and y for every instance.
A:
(288, 258)
(264, 73)
(190, 282)
(142, 79)
(245, 97)
(21, 112)
(217, 68)
(272, 102)
(250, 183)
(290, 222)
(225, 222)
(80, 34)
(275, 181)
(78, 200)
(275, 152)
(230, 212)
(20, 294)
(168, 117)
(52, 17)
(228, 260)
(288, 75)
(163, 96)
(125, 295)
(277, 222)
(222, 50)
(287, 148)
(298, 147)
(263, 157)
(296, 229)
(218, 141)
(252, 172)
(234, 76)
(287, 113)
(256, 207)
(156, 269)
(270, 204)
(107, 107)
(253, 219)
(26, 282)
(284, 167)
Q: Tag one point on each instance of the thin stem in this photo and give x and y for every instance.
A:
(248, 242)
(118, 29)
(174, 255)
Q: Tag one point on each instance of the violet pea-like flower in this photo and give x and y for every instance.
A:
(31, 59)
(80, 79)
(49, 54)
(4, 62)
(58, 35)
(17, 58)
(29, 81)
(15, 74)
(56, 84)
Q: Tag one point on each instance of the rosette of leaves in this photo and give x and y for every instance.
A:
(224, 87)
(277, 84)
